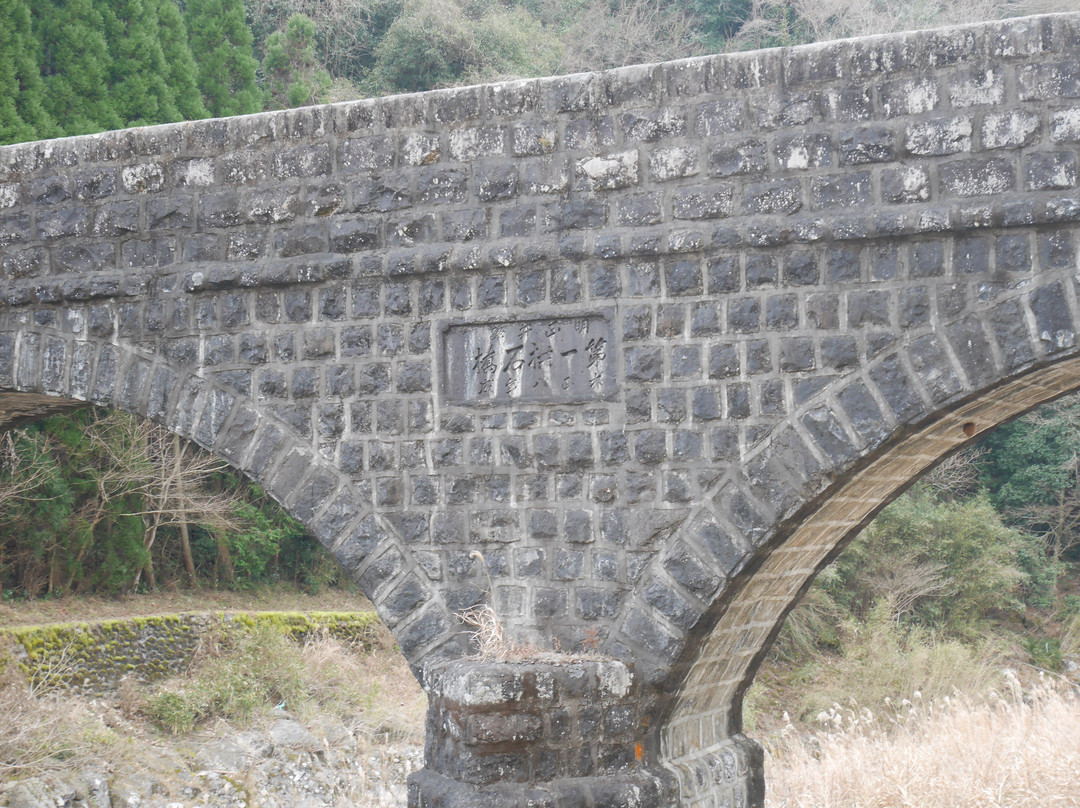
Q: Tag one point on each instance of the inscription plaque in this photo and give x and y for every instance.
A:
(563, 359)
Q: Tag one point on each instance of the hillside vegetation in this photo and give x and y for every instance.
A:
(104, 503)
(70, 67)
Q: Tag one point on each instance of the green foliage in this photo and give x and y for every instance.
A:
(1041, 575)
(1032, 471)
(917, 602)
(881, 659)
(222, 44)
(1045, 653)
(72, 67)
(265, 532)
(60, 536)
(293, 75)
(719, 20)
(137, 71)
(22, 109)
(1031, 459)
(257, 670)
(778, 25)
(346, 31)
(175, 711)
(949, 566)
(429, 45)
(75, 64)
(875, 659)
(73, 522)
(437, 43)
(512, 43)
(180, 70)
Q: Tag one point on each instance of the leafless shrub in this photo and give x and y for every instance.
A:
(905, 584)
(821, 20)
(20, 477)
(169, 477)
(956, 477)
(626, 32)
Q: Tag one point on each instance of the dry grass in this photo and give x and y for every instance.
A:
(373, 690)
(1018, 751)
(44, 731)
(878, 660)
(492, 645)
(366, 687)
(489, 637)
(329, 685)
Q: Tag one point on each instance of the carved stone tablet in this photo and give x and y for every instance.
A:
(553, 360)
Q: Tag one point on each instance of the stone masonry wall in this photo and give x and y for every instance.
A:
(588, 347)
(93, 658)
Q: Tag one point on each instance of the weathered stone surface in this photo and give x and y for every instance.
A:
(610, 332)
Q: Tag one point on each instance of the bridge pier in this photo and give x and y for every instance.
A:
(551, 731)
(562, 731)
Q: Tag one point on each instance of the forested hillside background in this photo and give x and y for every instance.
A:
(72, 67)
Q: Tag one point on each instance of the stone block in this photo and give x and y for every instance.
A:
(978, 177)
(939, 136)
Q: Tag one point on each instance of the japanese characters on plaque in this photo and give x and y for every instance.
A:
(562, 359)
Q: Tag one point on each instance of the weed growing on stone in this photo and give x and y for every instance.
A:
(492, 644)
(489, 633)
(489, 637)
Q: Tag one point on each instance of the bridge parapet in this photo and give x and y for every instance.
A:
(621, 333)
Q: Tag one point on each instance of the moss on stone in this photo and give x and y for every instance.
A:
(96, 655)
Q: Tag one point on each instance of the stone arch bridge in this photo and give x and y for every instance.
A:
(654, 342)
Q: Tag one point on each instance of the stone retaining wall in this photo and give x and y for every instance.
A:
(94, 657)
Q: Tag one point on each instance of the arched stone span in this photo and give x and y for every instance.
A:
(45, 370)
(629, 335)
(702, 740)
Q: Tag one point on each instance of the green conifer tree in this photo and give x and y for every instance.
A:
(22, 111)
(294, 76)
(222, 44)
(138, 72)
(182, 73)
(74, 61)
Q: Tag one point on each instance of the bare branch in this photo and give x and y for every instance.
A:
(957, 476)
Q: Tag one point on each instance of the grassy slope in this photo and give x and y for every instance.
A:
(326, 684)
(262, 598)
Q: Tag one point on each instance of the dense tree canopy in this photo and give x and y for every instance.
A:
(74, 60)
(22, 107)
(220, 36)
(104, 502)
